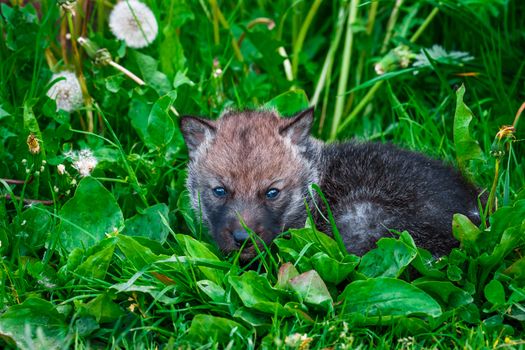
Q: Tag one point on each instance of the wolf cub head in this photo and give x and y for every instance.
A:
(250, 169)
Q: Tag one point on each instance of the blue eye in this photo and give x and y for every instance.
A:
(220, 192)
(272, 193)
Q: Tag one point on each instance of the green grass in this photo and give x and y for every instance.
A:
(100, 262)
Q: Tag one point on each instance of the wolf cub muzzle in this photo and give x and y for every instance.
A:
(254, 169)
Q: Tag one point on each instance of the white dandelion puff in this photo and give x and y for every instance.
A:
(66, 92)
(133, 22)
(83, 161)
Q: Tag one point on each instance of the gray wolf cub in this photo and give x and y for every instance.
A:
(258, 166)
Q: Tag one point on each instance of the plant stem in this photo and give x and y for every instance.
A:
(390, 25)
(298, 44)
(424, 25)
(345, 68)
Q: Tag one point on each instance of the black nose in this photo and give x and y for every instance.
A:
(240, 236)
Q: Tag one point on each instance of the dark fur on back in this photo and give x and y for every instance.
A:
(371, 188)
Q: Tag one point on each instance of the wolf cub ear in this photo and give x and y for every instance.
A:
(298, 127)
(196, 131)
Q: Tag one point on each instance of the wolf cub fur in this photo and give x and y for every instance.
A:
(258, 167)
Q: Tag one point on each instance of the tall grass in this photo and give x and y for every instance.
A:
(99, 262)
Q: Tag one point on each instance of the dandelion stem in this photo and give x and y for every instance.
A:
(425, 24)
(127, 72)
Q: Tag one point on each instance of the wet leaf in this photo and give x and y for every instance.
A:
(385, 299)
(88, 216)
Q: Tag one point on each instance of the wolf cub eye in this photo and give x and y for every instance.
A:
(220, 192)
(272, 193)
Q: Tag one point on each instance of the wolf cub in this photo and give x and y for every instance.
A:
(258, 167)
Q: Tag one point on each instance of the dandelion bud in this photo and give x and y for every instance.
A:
(89, 46)
(396, 58)
(66, 92)
(61, 169)
(133, 22)
(55, 189)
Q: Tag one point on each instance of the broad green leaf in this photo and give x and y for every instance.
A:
(444, 292)
(148, 68)
(255, 292)
(467, 148)
(494, 292)
(311, 288)
(161, 128)
(220, 330)
(102, 308)
(33, 313)
(148, 223)
(332, 270)
(384, 299)
(138, 255)
(212, 290)
(289, 103)
(171, 52)
(96, 265)
(465, 232)
(37, 225)
(196, 249)
(389, 259)
(88, 216)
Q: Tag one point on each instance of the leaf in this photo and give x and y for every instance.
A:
(148, 223)
(136, 254)
(289, 103)
(286, 272)
(212, 290)
(385, 299)
(494, 292)
(196, 249)
(332, 270)
(97, 264)
(160, 129)
(390, 258)
(444, 292)
(467, 148)
(37, 224)
(217, 329)
(102, 308)
(311, 288)
(255, 292)
(148, 67)
(36, 313)
(465, 232)
(88, 216)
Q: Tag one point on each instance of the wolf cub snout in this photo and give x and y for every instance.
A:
(257, 167)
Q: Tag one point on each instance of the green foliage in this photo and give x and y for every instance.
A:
(110, 254)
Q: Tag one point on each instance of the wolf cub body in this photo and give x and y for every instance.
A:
(258, 167)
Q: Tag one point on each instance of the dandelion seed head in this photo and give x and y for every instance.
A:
(133, 22)
(66, 92)
(83, 161)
